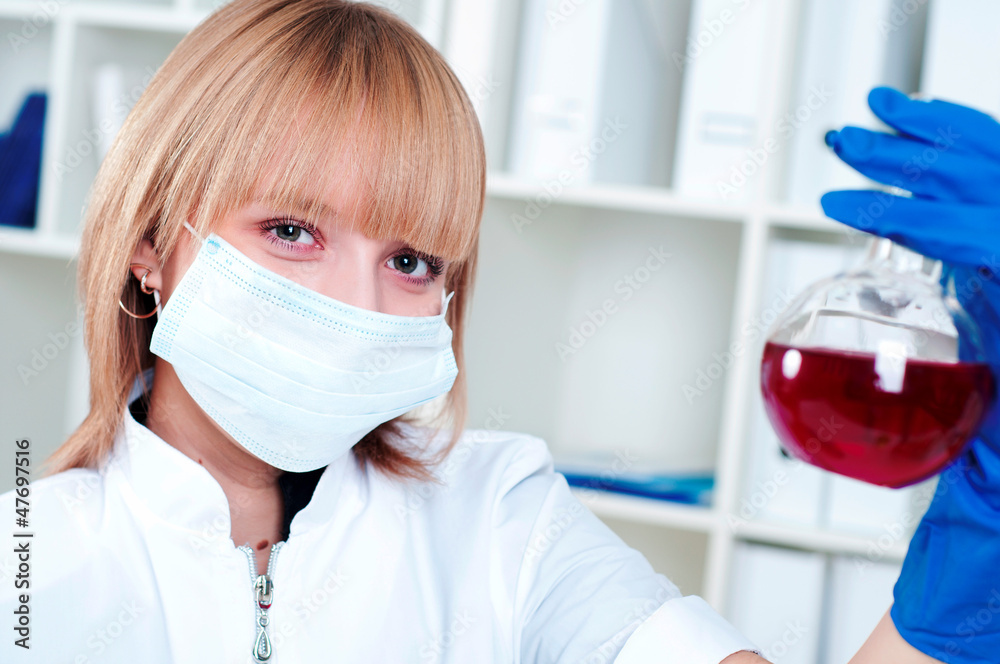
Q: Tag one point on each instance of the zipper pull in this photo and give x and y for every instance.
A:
(265, 591)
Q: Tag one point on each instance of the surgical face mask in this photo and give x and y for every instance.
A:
(295, 377)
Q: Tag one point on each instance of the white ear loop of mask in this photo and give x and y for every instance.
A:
(194, 232)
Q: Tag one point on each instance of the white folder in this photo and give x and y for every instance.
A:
(847, 47)
(962, 53)
(776, 600)
(721, 104)
(594, 84)
(859, 595)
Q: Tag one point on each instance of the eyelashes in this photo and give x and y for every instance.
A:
(287, 233)
(291, 227)
(435, 266)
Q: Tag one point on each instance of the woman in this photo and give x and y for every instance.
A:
(300, 190)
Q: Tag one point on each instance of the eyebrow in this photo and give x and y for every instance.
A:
(301, 206)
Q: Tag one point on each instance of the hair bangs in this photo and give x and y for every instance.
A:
(371, 129)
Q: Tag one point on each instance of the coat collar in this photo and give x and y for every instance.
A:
(162, 482)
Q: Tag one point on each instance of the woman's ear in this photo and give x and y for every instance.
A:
(145, 258)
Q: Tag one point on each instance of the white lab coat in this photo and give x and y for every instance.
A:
(134, 563)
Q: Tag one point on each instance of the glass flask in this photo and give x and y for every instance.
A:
(877, 373)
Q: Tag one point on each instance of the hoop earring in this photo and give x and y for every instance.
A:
(142, 284)
(144, 289)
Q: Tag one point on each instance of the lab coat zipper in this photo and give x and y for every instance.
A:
(263, 588)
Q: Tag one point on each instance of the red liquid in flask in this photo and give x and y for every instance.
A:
(830, 409)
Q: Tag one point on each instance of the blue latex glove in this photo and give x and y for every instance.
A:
(947, 598)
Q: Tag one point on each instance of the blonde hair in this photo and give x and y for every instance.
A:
(270, 98)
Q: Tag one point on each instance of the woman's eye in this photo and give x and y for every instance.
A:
(417, 267)
(293, 234)
(409, 265)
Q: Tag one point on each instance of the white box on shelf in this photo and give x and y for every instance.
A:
(846, 48)
(962, 54)
(859, 593)
(592, 82)
(721, 104)
(887, 516)
(480, 50)
(109, 112)
(775, 600)
(780, 489)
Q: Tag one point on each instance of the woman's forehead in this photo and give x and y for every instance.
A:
(292, 184)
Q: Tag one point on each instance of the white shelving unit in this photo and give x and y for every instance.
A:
(621, 390)
(751, 226)
(529, 299)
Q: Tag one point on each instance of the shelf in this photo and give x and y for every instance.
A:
(21, 10)
(32, 243)
(803, 217)
(502, 186)
(702, 519)
(872, 548)
(652, 200)
(647, 510)
(658, 200)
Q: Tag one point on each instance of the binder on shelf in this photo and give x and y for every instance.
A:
(480, 48)
(962, 54)
(109, 107)
(845, 49)
(776, 600)
(858, 595)
(721, 101)
(594, 84)
(780, 489)
(21, 163)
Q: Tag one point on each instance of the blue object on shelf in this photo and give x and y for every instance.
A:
(21, 164)
(689, 489)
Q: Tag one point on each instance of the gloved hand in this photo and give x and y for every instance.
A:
(947, 598)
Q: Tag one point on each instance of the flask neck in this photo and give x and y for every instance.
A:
(887, 255)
